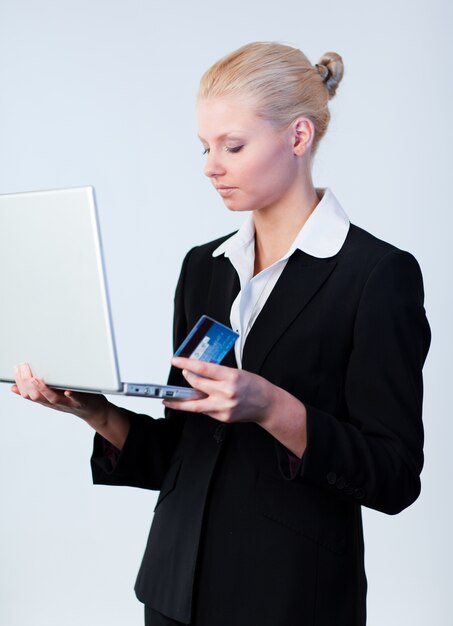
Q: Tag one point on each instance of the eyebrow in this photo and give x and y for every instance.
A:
(230, 135)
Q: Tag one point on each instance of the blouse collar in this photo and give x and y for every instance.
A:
(322, 235)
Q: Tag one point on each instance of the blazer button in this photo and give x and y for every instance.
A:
(331, 478)
(359, 493)
(341, 483)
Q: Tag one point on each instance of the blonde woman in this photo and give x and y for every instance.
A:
(318, 411)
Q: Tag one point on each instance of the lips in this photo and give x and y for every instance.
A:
(225, 191)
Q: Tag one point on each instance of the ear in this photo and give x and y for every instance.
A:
(303, 133)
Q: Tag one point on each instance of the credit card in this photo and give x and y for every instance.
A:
(208, 340)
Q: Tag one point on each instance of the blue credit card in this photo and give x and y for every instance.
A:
(208, 341)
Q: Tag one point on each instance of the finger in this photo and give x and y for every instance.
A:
(63, 400)
(51, 396)
(35, 388)
(15, 389)
(32, 388)
(203, 368)
(26, 384)
(192, 406)
(28, 389)
(75, 399)
(209, 386)
(23, 374)
(23, 370)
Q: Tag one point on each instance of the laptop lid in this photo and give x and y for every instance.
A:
(54, 309)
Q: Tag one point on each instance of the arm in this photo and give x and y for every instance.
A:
(106, 419)
(129, 448)
(372, 453)
(150, 443)
(238, 396)
(376, 457)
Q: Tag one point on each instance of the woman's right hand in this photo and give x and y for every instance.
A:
(90, 407)
(107, 419)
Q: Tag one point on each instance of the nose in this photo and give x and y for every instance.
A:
(213, 166)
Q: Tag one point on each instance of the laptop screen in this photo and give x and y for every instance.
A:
(54, 311)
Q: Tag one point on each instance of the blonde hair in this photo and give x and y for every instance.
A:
(279, 81)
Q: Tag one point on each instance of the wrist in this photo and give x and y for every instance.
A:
(100, 416)
(272, 405)
(285, 418)
(112, 423)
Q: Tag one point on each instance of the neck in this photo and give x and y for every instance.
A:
(276, 228)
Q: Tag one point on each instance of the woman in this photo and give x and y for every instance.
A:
(318, 411)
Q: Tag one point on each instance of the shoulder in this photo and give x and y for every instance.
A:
(367, 253)
(382, 272)
(363, 245)
(370, 269)
(203, 253)
(199, 264)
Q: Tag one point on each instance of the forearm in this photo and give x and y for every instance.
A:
(112, 423)
(146, 453)
(286, 420)
(234, 395)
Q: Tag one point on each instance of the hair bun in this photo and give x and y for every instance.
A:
(330, 67)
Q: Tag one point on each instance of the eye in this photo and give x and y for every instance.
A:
(206, 151)
(233, 150)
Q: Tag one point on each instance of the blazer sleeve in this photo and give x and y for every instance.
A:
(150, 444)
(375, 457)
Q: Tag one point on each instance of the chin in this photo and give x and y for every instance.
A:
(237, 207)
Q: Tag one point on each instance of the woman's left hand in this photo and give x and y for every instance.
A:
(234, 395)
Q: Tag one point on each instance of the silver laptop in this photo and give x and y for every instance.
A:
(54, 306)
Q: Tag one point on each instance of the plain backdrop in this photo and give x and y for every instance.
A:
(102, 92)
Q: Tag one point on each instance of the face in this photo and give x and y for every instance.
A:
(251, 164)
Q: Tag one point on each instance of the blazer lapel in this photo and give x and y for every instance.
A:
(223, 290)
(302, 277)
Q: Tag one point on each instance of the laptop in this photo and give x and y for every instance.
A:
(54, 308)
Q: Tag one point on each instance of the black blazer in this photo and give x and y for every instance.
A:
(238, 540)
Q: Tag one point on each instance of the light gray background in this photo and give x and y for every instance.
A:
(102, 92)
